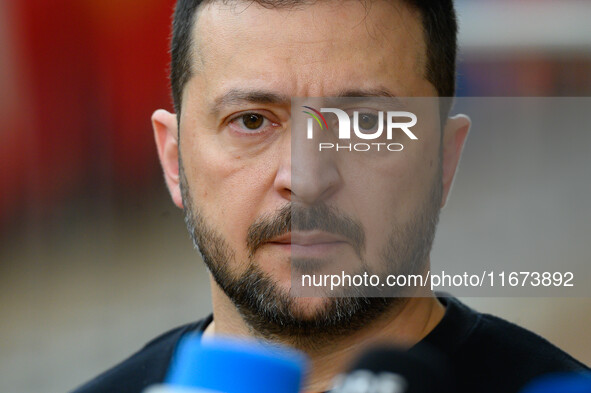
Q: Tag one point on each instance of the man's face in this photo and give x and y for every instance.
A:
(236, 145)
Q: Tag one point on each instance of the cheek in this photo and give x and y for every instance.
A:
(229, 190)
(394, 178)
(389, 191)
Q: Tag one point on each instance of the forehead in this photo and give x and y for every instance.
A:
(316, 49)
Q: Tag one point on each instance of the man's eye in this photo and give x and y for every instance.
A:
(367, 121)
(252, 121)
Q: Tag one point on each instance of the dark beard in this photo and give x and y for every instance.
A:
(272, 313)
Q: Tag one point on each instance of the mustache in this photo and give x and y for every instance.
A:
(295, 217)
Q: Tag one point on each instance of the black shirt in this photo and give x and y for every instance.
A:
(487, 354)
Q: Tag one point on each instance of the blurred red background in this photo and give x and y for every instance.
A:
(79, 82)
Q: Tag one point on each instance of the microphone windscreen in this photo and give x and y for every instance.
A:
(235, 366)
(560, 383)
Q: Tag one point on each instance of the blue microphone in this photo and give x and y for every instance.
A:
(560, 383)
(228, 365)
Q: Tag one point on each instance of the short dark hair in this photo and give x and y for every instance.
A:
(439, 24)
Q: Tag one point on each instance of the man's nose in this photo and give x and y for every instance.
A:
(307, 174)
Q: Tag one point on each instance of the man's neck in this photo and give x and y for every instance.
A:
(404, 326)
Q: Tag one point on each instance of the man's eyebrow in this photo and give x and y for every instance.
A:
(360, 96)
(240, 96)
(378, 92)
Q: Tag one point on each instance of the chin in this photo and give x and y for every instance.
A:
(305, 308)
(308, 308)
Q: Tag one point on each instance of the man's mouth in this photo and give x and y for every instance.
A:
(309, 244)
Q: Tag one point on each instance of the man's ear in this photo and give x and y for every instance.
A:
(454, 135)
(166, 134)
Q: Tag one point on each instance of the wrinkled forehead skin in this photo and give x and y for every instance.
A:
(319, 49)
